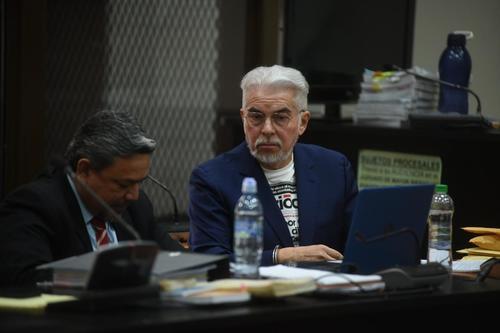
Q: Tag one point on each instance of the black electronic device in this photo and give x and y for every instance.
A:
(329, 266)
(176, 265)
(117, 266)
(329, 42)
(448, 121)
(412, 277)
(387, 228)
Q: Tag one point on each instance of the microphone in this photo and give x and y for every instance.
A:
(60, 162)
(172, 197)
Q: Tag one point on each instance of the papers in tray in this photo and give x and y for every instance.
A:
(326, 281)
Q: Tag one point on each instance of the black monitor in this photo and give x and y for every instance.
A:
(332, 41)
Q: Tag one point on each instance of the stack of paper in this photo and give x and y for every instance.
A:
(269, 288)
(467, 265)
(205, 294)
(234, 290)
(388, 97)
(487, 241)
(326, 281)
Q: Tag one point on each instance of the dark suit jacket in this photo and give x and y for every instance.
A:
(42, 222)
(326, 190)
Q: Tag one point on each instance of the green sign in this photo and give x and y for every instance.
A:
(382, 168)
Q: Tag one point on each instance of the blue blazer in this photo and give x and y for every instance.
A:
(326, 190)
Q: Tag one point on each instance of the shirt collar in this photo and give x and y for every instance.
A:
(87, 216)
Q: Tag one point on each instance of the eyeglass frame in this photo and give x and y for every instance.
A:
(284, 115)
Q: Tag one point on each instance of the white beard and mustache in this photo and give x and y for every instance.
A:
(270, 158)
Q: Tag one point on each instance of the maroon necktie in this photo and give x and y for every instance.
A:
(101, 234)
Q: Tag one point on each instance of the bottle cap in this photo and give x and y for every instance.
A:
(441, 188)
(249, 185)
(468, 34)
(456, 39)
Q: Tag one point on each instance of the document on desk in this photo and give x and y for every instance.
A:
(467, 265)
(326, 281)
(268, 288)
(35, 304)
(206, 294)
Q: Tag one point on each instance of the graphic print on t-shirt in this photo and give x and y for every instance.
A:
(286, 197)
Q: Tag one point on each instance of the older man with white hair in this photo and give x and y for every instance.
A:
(307, 191)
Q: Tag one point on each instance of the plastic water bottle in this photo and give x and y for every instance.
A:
(440, 227)
(248, 231)
(455, 67)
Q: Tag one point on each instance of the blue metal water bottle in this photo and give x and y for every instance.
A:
(455, 67)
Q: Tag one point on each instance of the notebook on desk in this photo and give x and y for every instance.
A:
(387, 228)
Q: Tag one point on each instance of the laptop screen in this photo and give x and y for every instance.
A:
(387, 228)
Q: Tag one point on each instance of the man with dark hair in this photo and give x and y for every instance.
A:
(56, 216)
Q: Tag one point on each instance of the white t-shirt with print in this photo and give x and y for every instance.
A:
(282, 182)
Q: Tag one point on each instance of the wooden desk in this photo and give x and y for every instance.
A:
(458, 302)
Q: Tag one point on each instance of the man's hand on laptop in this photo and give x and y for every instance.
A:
(318, 252)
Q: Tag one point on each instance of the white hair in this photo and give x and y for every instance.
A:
(279, 77)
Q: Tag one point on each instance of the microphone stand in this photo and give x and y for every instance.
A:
(483, 122)
(174, 202)
(446, 83)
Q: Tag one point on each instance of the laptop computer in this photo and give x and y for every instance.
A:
(387, 228)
